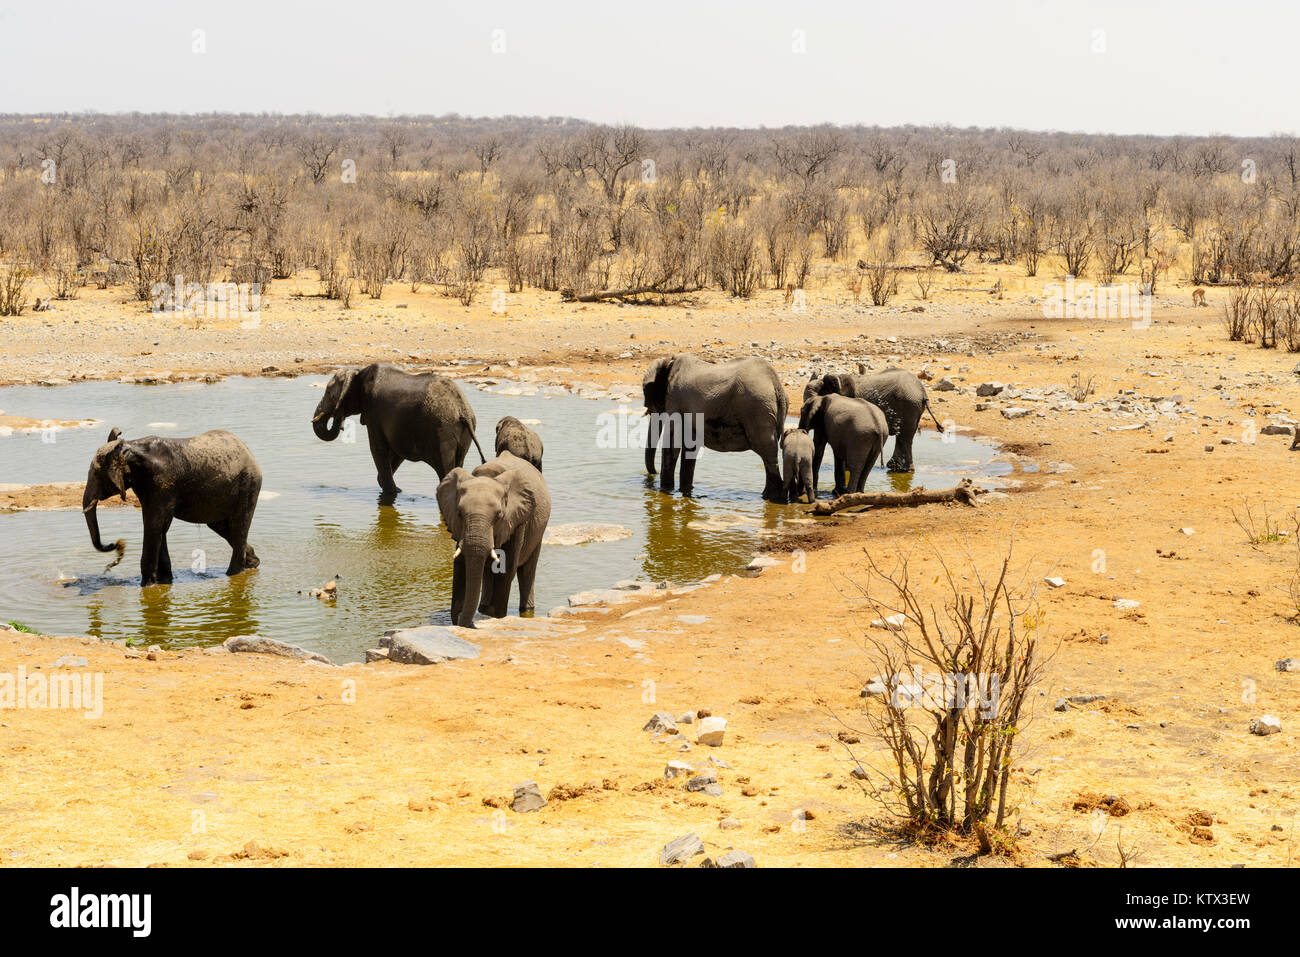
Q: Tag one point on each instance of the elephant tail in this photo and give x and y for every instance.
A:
(937, 425)
(474, 438)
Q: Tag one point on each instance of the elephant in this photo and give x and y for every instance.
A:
(211, 479)
(497, 516)
(518, 439)
(796, 465)
(856, 431)
(408, 417)
(900, 395)
(733, 406)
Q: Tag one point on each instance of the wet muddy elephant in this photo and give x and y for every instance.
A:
(855, 430)
(408, 418)
(497, 515)
(798, 481)
(900, 395)
(735, 406)
(211, 479)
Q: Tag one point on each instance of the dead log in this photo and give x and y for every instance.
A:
(568, 295)
(963, 492)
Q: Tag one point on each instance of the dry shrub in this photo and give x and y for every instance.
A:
(1237, 313)
(13, 289)
(958, 675)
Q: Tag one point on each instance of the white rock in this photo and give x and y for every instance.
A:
(712, 730)
(1055, 582)
(1265, 724)
(892, 623)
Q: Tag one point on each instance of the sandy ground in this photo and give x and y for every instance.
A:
(215, 758)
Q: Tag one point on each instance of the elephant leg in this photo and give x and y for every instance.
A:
(527, 578)
(501, 584)
(490, 581)
(819, 449)
(772, 490)
(382, 454)
(687, 482)
(808, 481)
(668, 462)
(901, 460)
(164, 562)
(155, 539)
(839, 472)
(241, 553)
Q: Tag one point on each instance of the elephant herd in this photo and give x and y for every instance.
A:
(497, 513)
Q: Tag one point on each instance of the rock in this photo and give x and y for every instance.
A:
(253, 644)
(1015, 412)
(429, 645)
(687, 718)
(706, 782)
(1062, 705)
(711, 731)
(1188, 531)
(680, 850)
(728, 824)
(1086, 698)
(676, 769)
(892, 623)
(730, 859)
(876, 686)
(70, 661)
(527, 798)
(1265, 724)
(1126, 604)
(945, 385)
(1055, 582)
(1288, 664)
(661, 723)
(376, 654)
(1276, 430)
(989, 388)
(327, 592)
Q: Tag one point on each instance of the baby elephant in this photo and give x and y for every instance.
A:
(796, 465)
(856, 431)
(211, 479)
(520, 441)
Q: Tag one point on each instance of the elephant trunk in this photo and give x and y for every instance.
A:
(89, 507)
(325, 428)
(475, 551)
(651, 441)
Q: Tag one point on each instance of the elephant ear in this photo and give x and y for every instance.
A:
(449, 491)
(117, 462)
(114, 435)
(518, 503)
(831, 383)
(654, 387)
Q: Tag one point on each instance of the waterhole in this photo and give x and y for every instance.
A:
(320, 517)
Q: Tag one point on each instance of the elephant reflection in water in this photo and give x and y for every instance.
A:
(189, 616)
(686, 540)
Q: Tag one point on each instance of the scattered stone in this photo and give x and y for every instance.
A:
(1086, 698)
(892, 623)
(1188, 531)
(527, 798)
(945, 385)
(1126, 604)
(428, 645)
(1288, 664)
(728, 824)
(1276, 430)
(687, 718)
(327, 592)
(1062, 705)
(1265, 724)
(680, 850)
(253, 644)
(989, 388)
(376, 654)
(706, 782)
(712, 731)
(730, 859)
(1015, 412)
(1055, 582)
(676, 769)
(661, 723)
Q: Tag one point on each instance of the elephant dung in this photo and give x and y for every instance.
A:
(430, 645)
(527, 798)
(712, 730)
(254, 644)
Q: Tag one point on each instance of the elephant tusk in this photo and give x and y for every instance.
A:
(89, 508)
(456, 553)
(317, 418)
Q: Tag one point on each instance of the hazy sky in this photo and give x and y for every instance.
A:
(1158, 66)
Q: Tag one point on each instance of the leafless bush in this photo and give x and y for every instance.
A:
(66, 278)
(957, 676)
(1288, 324)
(1268, 302)
(13, 289)
(924, 283)
(1238, 312)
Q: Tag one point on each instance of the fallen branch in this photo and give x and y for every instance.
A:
(568, 295)
(963, 492)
